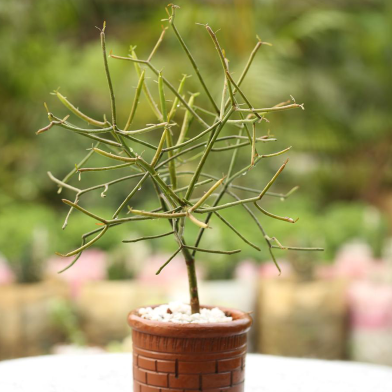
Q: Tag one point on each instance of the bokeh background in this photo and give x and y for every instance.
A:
(334, 56)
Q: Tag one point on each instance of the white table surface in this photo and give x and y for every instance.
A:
(112, 373)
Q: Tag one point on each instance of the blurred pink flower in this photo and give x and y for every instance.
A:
(91, 266)
(325, 272)
(370, 305)
(6, 274)
(354, 261)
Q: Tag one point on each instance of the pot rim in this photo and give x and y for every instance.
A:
(240, 324)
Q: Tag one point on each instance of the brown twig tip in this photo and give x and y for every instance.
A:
(44, 129)
(61, 255)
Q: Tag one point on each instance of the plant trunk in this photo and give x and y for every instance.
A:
(193, 291)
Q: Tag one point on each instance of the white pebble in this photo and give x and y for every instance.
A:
(179, 313)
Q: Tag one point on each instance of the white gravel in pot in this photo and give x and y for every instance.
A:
(180, 313)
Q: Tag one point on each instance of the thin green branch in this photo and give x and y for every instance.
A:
(105, 168)
(158, 152)
(282, 247)
(62, 183)
(273, 109)
(76, 201)
(191, 59)
(205, 111)
(230, 80)
(227, 223)
(222, 252)
(85, 246)
(169, 139)
(253, 216)
(114, 156)
(117, 180)
(137, 187)
(282, 196)
(162, 97)
(146, 91)
(71, 127)
(197, 137)
(201, 201)
(142, 142)
(108, 78)
(89, 133)
(149, 128)
(247, 66)
(155, 176)
(169, 260)
(135, 101)
(206, 153)
(157, 44)
(77, 112)
(176, 100)
(77, 166)
(282, 218)
(148, 237)
(186, 121)
(100, 139)
(244, 201)
(257, 160)
(157, 215)
(167, 83)
(184, 188)
(81, 209)
(298, 248)
(254, 152)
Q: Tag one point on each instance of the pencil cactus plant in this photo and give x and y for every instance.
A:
(177, 205)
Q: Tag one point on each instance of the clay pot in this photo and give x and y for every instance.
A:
(189, 357)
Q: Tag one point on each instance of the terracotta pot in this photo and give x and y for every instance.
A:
(189, 357)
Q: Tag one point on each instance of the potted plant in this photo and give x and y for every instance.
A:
(200, 347)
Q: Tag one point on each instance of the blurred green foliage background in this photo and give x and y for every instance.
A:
(335, 56)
